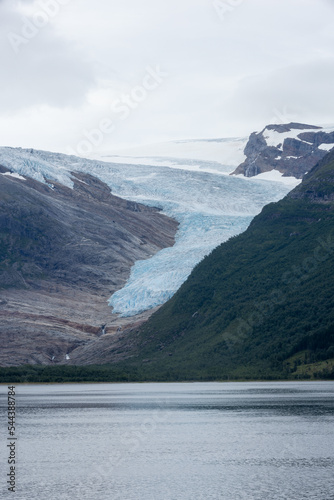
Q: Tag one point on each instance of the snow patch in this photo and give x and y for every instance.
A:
(326, 147)
(273, 176)
(276, 176)
(276, 139)
(222, 152)
(14, 174)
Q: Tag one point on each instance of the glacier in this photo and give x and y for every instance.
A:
(189, 183)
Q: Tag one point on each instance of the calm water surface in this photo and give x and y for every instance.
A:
(252, 441)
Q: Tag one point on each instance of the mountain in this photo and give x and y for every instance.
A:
(63, 252)
(292, 149)
(209, 205)
(75, 257)
(261, 305)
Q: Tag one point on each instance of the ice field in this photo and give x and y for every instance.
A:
(190, 184)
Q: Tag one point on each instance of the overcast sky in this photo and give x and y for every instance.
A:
(104, 74)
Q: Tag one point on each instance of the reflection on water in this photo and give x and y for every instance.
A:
(230, 441)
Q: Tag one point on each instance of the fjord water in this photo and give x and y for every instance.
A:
(182, 441)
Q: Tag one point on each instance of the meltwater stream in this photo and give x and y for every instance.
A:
(195, 441)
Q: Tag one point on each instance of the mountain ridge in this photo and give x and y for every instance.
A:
(122, 345)
(260, 305)
(209, 206)
(292, 149)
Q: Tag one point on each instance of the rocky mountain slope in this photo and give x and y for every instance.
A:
(63, 252)
(292, 149)
(210, 206)
(259, 306)
(58, 270)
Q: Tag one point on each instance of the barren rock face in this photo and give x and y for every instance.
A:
(63, 252)
(292, 149)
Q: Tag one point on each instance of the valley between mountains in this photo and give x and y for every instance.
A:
(91, 248)
(64, 252)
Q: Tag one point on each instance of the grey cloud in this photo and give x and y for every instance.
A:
(45, 70)
(300, 92)
(226, 77)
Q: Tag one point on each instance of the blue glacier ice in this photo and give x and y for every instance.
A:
(209, 205)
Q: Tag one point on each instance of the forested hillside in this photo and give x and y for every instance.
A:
(262, 304)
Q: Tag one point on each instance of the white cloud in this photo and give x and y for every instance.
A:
(300, 91)
(226, 77)
(43, 69)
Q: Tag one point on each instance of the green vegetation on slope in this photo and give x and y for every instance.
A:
(260, 306)
(257, 300)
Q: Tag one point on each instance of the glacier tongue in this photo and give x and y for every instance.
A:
(210, 206)
(154, 281)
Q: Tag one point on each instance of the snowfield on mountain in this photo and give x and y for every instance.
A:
(210, 205)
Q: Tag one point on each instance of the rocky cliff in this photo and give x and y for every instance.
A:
(63, 252)
(292, 149)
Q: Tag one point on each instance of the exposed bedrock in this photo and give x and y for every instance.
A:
(63, 252)
(292, 149)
